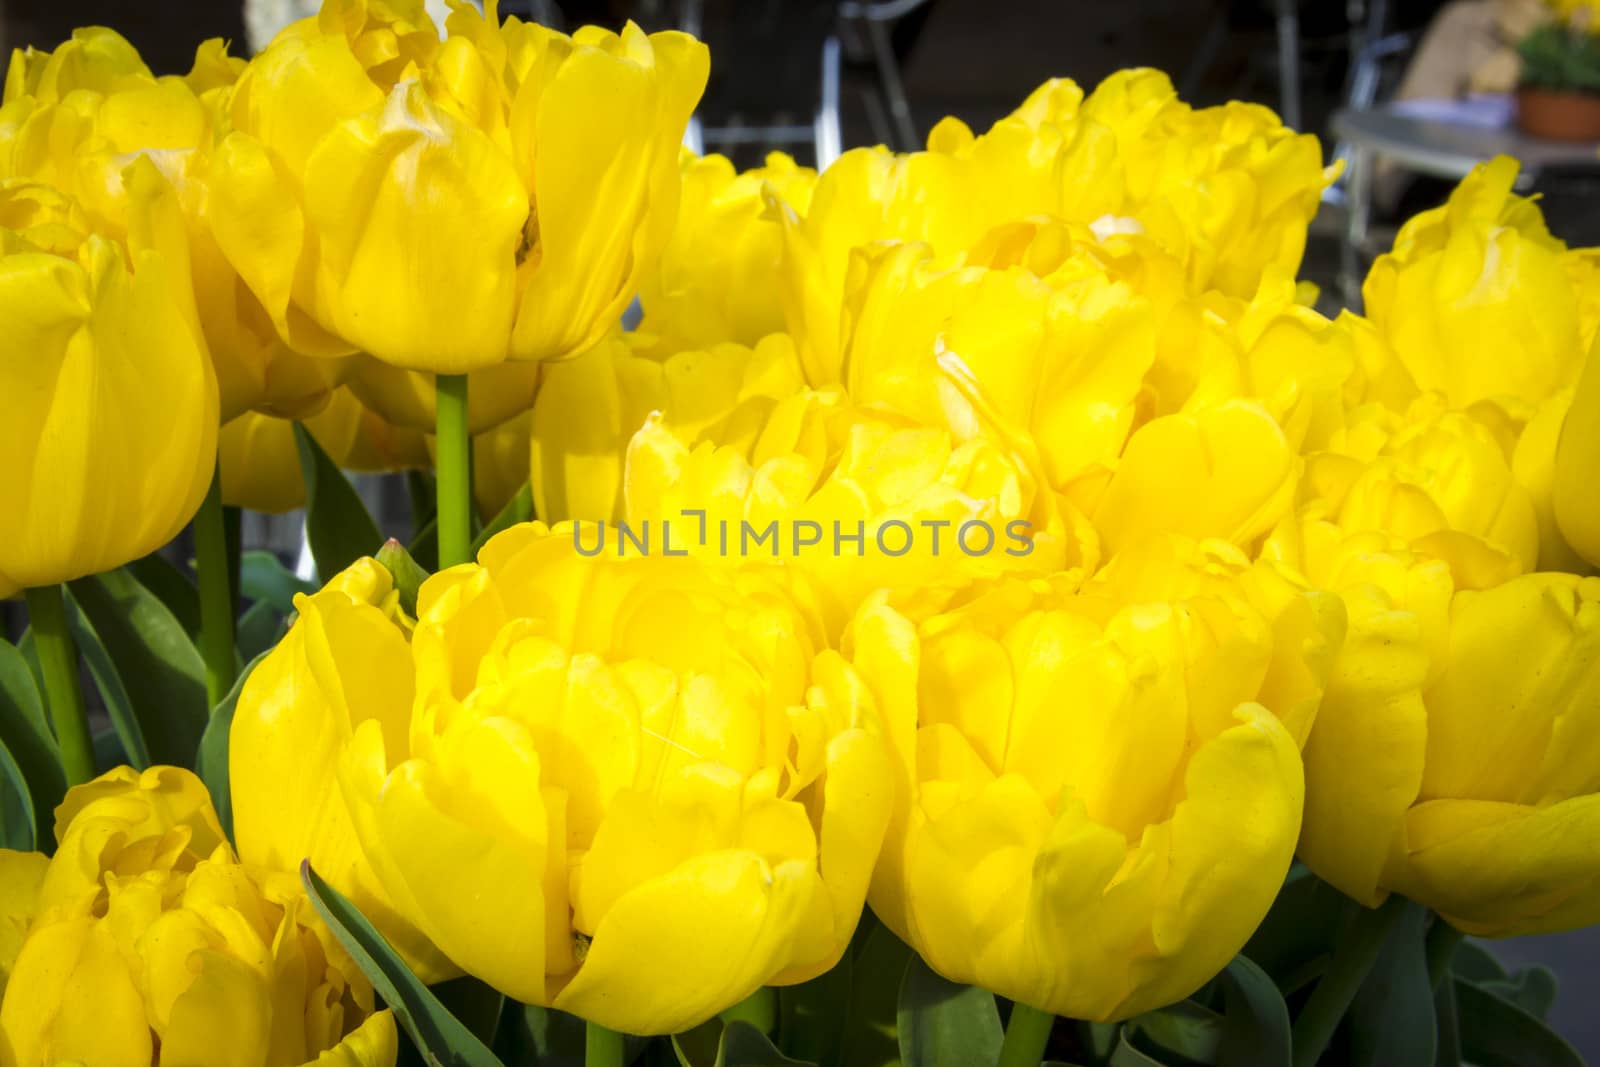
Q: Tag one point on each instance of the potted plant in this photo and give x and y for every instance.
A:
(1558, 96)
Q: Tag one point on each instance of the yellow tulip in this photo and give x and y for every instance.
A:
(357, 438)
(1456, 766)
(852, 501)
(636, 790)
(1533, 464)
(76, 119)
(406, 399)
(1095, 802)
(1576, 459)
(500, 464)
(372, 168)
(259, 464)
(1477, 299)
(21, 874)
(718, 280)
(296, 715)
(589, 408)
(150, 944)
(91, 484)
(1438, 481)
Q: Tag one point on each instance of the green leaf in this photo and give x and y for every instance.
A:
(338, 526)
(878, 969)
(263, 577)
(113, 694)
(1474, 962)
(1533, 989)
(158, 664)
(942, 1023)
(259, 629)
(743, 1045)
(1497, 1033)
(407, 575)
(212, 762)
(1391, 1019)
(1126, 1055)
(811, 1016)
(441, 1037)
(475, 1003)
(1181, 1035)
(1445, 1016)
(424, 497)
(531, 1034)
(1255, 1021)
(518, 509)
(1293, 943)
(34, 768)
(172, 586)
(18, 817)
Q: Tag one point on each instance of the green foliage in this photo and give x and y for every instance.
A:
(1561, 58)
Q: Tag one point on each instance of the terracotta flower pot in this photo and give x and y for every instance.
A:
(1558, 116)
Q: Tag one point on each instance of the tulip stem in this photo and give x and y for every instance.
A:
(601, 1047)
(58, 662)
(1357, 951)
(215, 564)
(1440, 948)
(454, 485)
(1027, 1034)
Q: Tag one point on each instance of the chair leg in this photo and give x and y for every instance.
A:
(1289, 61)
(894, 93)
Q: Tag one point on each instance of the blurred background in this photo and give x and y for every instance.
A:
(1408, 93)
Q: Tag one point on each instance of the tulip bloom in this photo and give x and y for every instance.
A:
(718, 276)
(92, 485)
(590, 407)
(146, 943)
(1477, 299)
(77, 116)
(1095, 800)
(445, 206)
(1575, 460)
(1454, 764)
(567, 798)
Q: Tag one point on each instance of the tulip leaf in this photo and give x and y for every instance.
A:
(212, 762)
(423, 495)
(159, 667)
(1255, 1021)
(1474, 962)
(811, 1016)
(258, 630)
(1446, 1025)
(264, 578)
(424, 547)
(172, 587)
(1391, 1019)
(1126, 1055)
(18, 817)
(108, 682)
(518, 509)
(743, 1045)
(1533, 989)
(941, 1022)
(1497, 1033)
(34, 762)
(531, 1034)
(338, 526)
(1180, 1035)
(442, 1039)
(878, 968)
(1294, 942)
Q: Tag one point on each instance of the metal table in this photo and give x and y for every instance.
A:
(1439, 139)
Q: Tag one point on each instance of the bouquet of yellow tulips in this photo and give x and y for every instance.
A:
(981, 615)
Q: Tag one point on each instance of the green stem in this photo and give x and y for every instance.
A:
(1440, 948)
(1026, 1036)
(214, 562)
(58, 661)
(1352, 959)
(601, 1047)
(454, 483)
